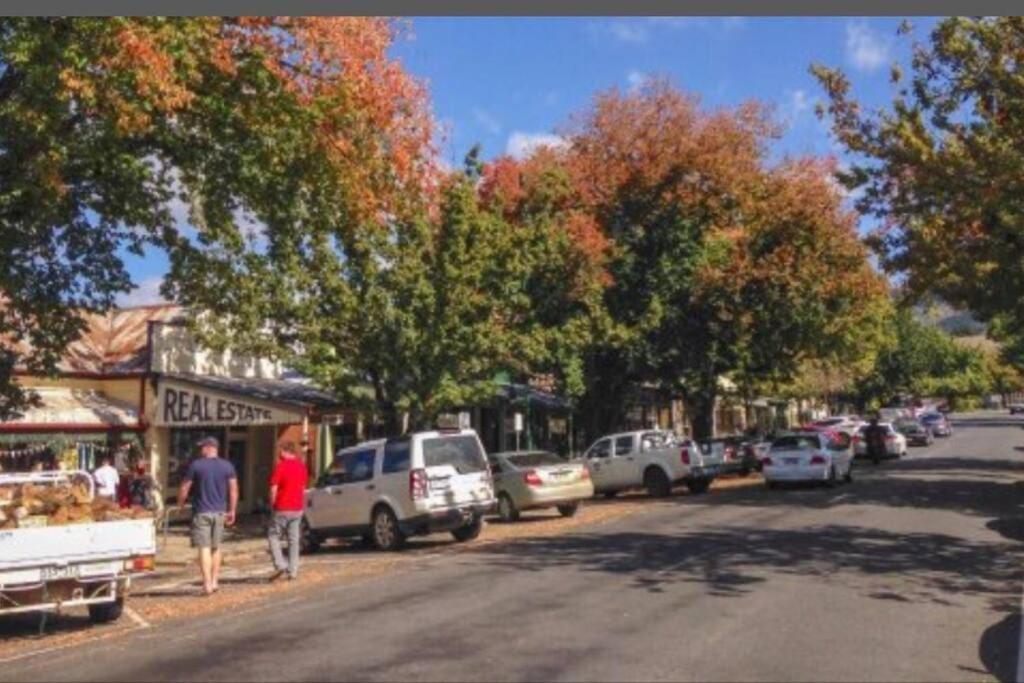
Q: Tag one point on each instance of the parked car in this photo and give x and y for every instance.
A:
(1016, 408)
(809, 457)
(651, 459)
(389, 489)
(529, 480)
(838, 423)
(895, 443)
(938, 423)
(891, 414)
(917, 433)
(736, 455)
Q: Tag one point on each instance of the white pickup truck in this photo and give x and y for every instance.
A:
(654, 460)
(52, 568)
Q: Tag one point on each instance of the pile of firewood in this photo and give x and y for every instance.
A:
(34, 505)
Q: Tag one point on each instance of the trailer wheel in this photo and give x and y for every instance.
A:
(106, 612)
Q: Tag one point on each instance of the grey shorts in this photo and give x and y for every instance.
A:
(208, 529)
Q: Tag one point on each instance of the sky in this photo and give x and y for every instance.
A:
(509, 84)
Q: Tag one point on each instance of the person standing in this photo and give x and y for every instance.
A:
(287, 497)
(215, 503)
(875, 435)
(107, 479)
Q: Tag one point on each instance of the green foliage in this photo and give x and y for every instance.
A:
(942, 166)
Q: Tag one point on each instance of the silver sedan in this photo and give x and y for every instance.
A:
(528, 480)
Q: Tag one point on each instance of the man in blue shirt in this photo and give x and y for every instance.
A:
(214, 483)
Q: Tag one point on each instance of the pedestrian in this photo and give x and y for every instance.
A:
(875, 435)
(143, 491)
(287, 497)
(106, 478)
(214, 505)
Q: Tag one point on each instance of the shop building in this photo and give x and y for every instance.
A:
(138, 386)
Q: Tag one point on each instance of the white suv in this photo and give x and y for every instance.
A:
(390, 489)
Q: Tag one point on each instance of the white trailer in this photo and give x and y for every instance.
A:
(51, 568)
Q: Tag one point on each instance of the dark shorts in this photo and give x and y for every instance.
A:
(208, 529)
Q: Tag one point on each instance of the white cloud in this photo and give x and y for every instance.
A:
(487, 120)
(629, 32)
(636, 80)
(521, 145)
(146, 292)
(798, 101)
(640, 31)
(865, 49)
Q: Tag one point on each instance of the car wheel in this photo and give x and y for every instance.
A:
(770, 485)
(745, 472)
(470, 531)
(657, 483)
(507, 509)
(385, 531)
(568, 509)
(309, 540)
(609, 494)
(106, 612)
(698, 486)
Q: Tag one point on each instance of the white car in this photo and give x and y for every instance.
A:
(390, 489)
(838, 423)
(654, 460)
(895, 443)
(809, 457)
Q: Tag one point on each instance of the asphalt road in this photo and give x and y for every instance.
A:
(913, 572)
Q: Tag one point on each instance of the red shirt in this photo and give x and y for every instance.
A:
(290, 477)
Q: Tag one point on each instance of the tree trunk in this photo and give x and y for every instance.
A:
(701, 406)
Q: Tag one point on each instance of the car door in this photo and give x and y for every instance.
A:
(324, 504)
(622, 466)
(598, 459)
(357, 492)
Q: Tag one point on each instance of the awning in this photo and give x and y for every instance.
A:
(68, 409)
(527, 394)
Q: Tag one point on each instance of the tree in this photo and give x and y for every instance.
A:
(925, 361)
(941, 167)
(107, 123)
(424, 309)
(720, 263)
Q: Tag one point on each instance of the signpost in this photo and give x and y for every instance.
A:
(518, 427)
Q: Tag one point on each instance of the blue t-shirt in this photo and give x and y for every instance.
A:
(210, 477)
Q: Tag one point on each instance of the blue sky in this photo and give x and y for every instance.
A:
(509, 83)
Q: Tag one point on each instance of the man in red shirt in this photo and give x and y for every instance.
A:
(287, 497)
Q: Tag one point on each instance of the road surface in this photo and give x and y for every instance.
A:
(913, 572)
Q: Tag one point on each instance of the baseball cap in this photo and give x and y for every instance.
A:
(207, 441)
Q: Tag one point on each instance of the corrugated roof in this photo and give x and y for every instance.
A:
(58, 405)
(273, 390)
(115, 342)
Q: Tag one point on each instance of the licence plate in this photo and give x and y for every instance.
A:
(791, 461)
(52, 573)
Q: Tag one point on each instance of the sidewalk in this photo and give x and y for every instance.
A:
(247, 539)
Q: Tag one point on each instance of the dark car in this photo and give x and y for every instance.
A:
(938, 423)
(736, 454)
(917, 433)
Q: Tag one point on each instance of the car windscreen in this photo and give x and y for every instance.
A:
(535, 459)
(927, 419)
(907, 425)
(461, 452)
(795, 443)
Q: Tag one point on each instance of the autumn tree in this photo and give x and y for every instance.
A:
(940, 167)
(257, 125)
(720, 263)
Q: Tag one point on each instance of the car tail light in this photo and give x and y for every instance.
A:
(418, 484)
(730, 453)
(856, 438)
(818, 460)
(140, 564)
(584, 473)
(767, 462)
(891, 437)
(531, 478)
(684, 455)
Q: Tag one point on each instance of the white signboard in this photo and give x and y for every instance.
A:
(519, 422)
(181, 404)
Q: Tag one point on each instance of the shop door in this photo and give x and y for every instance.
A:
(237, 454)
